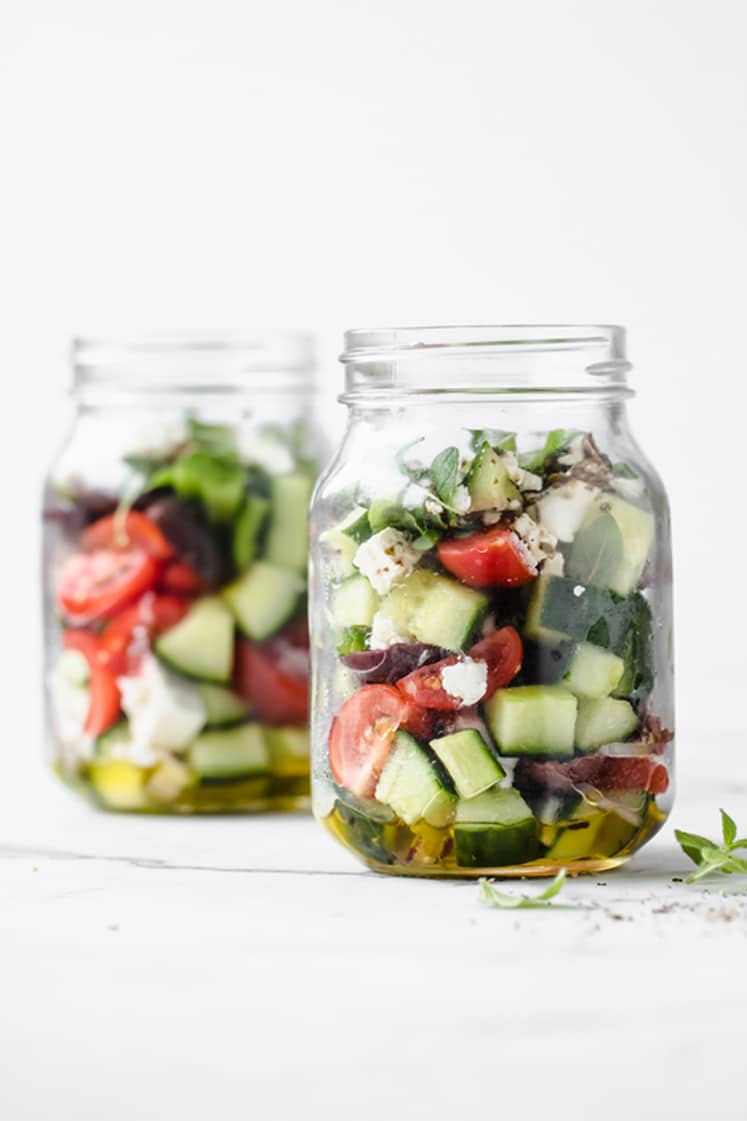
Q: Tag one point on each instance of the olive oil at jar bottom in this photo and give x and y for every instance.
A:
(596, 842)
(122, 786)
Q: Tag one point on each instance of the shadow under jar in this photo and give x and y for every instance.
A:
(490, 607)
(175, 551)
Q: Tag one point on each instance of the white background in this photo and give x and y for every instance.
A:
(328, 164)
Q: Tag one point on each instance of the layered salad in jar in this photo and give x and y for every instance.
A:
(493, 704)
(177, 636)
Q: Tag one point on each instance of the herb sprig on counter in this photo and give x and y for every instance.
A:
(711, 857)
(490, 896)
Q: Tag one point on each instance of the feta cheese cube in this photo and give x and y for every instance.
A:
(562, 509)
(466, 680)
(165, 712)
(386, 559)
(537, 542)
(462, 500)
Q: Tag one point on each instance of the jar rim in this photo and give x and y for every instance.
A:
(502, 358)
(181, 361)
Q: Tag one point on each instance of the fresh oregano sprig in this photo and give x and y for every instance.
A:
(490, 896)
(709, 856)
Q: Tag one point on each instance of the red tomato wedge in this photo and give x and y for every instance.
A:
(503, 651)
(132, 530)
(181, 579)
(274, 679)
(104, 705)
(494, 558)
(128, 637)
(362, 735)
(97, 585)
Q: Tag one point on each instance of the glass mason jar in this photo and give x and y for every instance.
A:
(490, 607)
(175, 548)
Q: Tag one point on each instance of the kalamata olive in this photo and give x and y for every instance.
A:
(195, 541)
(377, 667)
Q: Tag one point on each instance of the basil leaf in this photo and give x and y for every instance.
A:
(729, 828)
(490, 896)
(214, 440)
(596, 552)
(692, 840)
(556, 441)
(495, 437)
(444, 474)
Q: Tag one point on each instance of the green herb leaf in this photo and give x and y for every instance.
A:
(728, 827)
(214, 440)
(623, 471)
(596, 552)
(490, 896)
(351, 640)
(710, 857)
(556, 442)
(495, 437)
(445, 474)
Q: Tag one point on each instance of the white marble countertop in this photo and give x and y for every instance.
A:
(249, 968)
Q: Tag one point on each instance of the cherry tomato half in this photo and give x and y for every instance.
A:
(182, 579)
(362, 735)
(104, 704)
(494, 558)
(97, 585)
(503, 651)
(273, 680)
(128, 637)
(132, 530)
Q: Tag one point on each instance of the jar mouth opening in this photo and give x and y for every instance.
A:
(485, 359)
(206, 361)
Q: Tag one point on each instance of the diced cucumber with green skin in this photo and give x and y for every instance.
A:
(494, 830)
(550, 807)
(593, 672)
(247, 530)
(287, 537)
(354, 603)
(533, 720)
(488, 482)
(613, 544)
(264, 598)
(231, 753)
(351, 640)
(341, 549)
(545, 663)
(289, 748)
(356, 525)
(414, 785)
(577, 841)
(471, 764)
(119, 784)
(636, 652)
(603, 721)
(223, 707)
(201, 645)
(561, 609)
(367, 833)
(435, 609)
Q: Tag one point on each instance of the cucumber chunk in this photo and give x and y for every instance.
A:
(120, 785)
(603, 721)
(248, 527)
(263, 599)
(471, 764)
(612, 546)
(533, 720)
(354, 603)
(593, 671)
(495, 829)
(223, 707)
(289, 749)
(435, 609)
(201, 645)
(230, 754)
(412, 783)
(578, 840)
(488, 482)
(287, 537)
(560, 608)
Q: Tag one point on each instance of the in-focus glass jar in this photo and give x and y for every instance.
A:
(490, 607)
(175, 549)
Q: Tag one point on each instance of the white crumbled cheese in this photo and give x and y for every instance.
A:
(73, 668)
(433, 506)
(466, 680)
(524, 480)
(492, 517)
(462, 500)
(159, 439)
(265, 452)
(538, 543)
(165, 713)
(384, 633)
(70, 704)
(553, 566)
(631, 489)
(386, 559)
(562, 509)
(574, 452)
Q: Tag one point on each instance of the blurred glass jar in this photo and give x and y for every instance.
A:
(490, 607)
(175, 547)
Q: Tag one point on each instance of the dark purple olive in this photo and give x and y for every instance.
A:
(78, 508)
(195, 542)
(378, 667)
